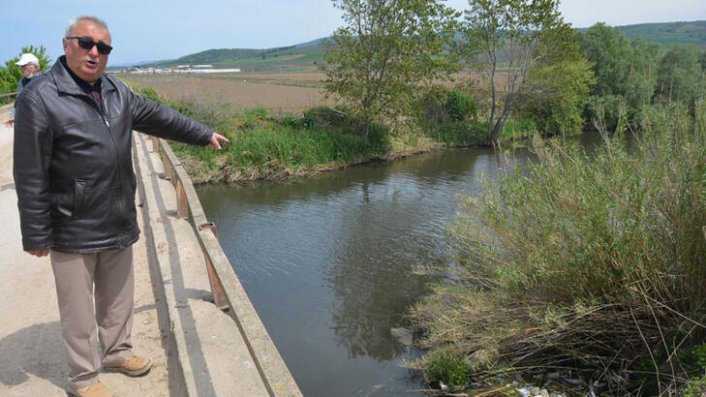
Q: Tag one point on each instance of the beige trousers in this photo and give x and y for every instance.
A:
(95, 293)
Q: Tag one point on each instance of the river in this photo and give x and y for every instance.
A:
(333, 263)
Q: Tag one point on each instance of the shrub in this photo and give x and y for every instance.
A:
(460, 106)
(327, 117)
(519, 128)
(149, 93)
(448, 368)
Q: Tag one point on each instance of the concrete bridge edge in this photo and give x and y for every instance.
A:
(206, 355)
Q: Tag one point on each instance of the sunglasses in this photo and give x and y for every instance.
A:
(87, 44)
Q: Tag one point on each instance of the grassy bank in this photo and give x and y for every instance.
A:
(275, 147)
(588, 269)
(267, 147)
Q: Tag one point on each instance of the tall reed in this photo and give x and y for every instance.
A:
(586, 261)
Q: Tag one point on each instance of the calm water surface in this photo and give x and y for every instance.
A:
(332, 263)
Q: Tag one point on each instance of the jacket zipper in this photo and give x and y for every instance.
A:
(100, 108)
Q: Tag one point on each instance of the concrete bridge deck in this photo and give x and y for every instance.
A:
(198, 350)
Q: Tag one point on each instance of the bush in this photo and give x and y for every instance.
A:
(461, 107)
(439, 105)
(448, 368)
(149, 93)
(450, 116)
(325, 117)
(521, 128)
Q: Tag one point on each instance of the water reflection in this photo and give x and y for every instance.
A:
(330, 262)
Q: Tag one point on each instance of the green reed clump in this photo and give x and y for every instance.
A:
(263, 146)
(586, 262)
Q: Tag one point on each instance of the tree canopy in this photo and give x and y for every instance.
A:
(386, 51)
(501, 38)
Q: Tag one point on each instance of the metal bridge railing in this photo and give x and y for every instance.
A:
(4, 95)
(228, 292)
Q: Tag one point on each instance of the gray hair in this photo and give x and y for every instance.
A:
(95, 20)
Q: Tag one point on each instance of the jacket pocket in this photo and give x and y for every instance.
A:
(61, 204)
(79, 195)
(67, 199)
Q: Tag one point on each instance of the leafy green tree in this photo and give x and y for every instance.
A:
(680, 75)
(626, 74)
(386, 51)
(500, 38)
(11, 74)
(559, 87)
(641, 76)
(608, 50)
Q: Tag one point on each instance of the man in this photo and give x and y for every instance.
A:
(30, 69)
(76, 195)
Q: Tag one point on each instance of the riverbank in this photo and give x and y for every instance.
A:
(269, 144)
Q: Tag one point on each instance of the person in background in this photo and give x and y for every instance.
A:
(76, 196)
(30, 69)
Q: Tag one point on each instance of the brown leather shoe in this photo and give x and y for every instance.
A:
(94, 390)
(135, 366)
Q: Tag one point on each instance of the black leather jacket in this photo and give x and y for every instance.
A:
(73, 165)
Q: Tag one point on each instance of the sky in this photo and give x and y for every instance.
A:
(151, 30)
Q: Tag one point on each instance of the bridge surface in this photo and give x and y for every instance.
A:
(197, 349)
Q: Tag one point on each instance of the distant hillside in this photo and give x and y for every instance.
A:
(305, 56)
(300, 57)
(669, 34)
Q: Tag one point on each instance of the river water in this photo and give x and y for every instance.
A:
(333, 263)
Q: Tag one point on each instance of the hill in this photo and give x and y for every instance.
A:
(304, 57)
(669, 34)
(295, 58)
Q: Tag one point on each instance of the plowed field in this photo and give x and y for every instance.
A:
(285, 93)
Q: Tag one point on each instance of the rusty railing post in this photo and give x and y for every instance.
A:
(182, 200)
(219, 293)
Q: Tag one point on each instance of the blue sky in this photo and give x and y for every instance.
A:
(149, 30)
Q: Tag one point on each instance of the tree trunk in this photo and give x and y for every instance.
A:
(495, 132)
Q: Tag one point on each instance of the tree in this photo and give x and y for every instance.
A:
(387, 49)
(559, 87)
(625, 74)
(679, 75)
(641, 75)
(501, 37)
(609, 52)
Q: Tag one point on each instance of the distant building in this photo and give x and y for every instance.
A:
(193, 69)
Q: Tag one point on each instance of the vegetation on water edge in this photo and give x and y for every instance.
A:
(265, 146)
(593, 264)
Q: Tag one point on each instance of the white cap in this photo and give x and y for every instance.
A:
(27, 58)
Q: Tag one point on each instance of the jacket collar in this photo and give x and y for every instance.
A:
(66, 84)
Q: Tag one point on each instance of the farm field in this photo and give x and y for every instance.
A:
(277, 92)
